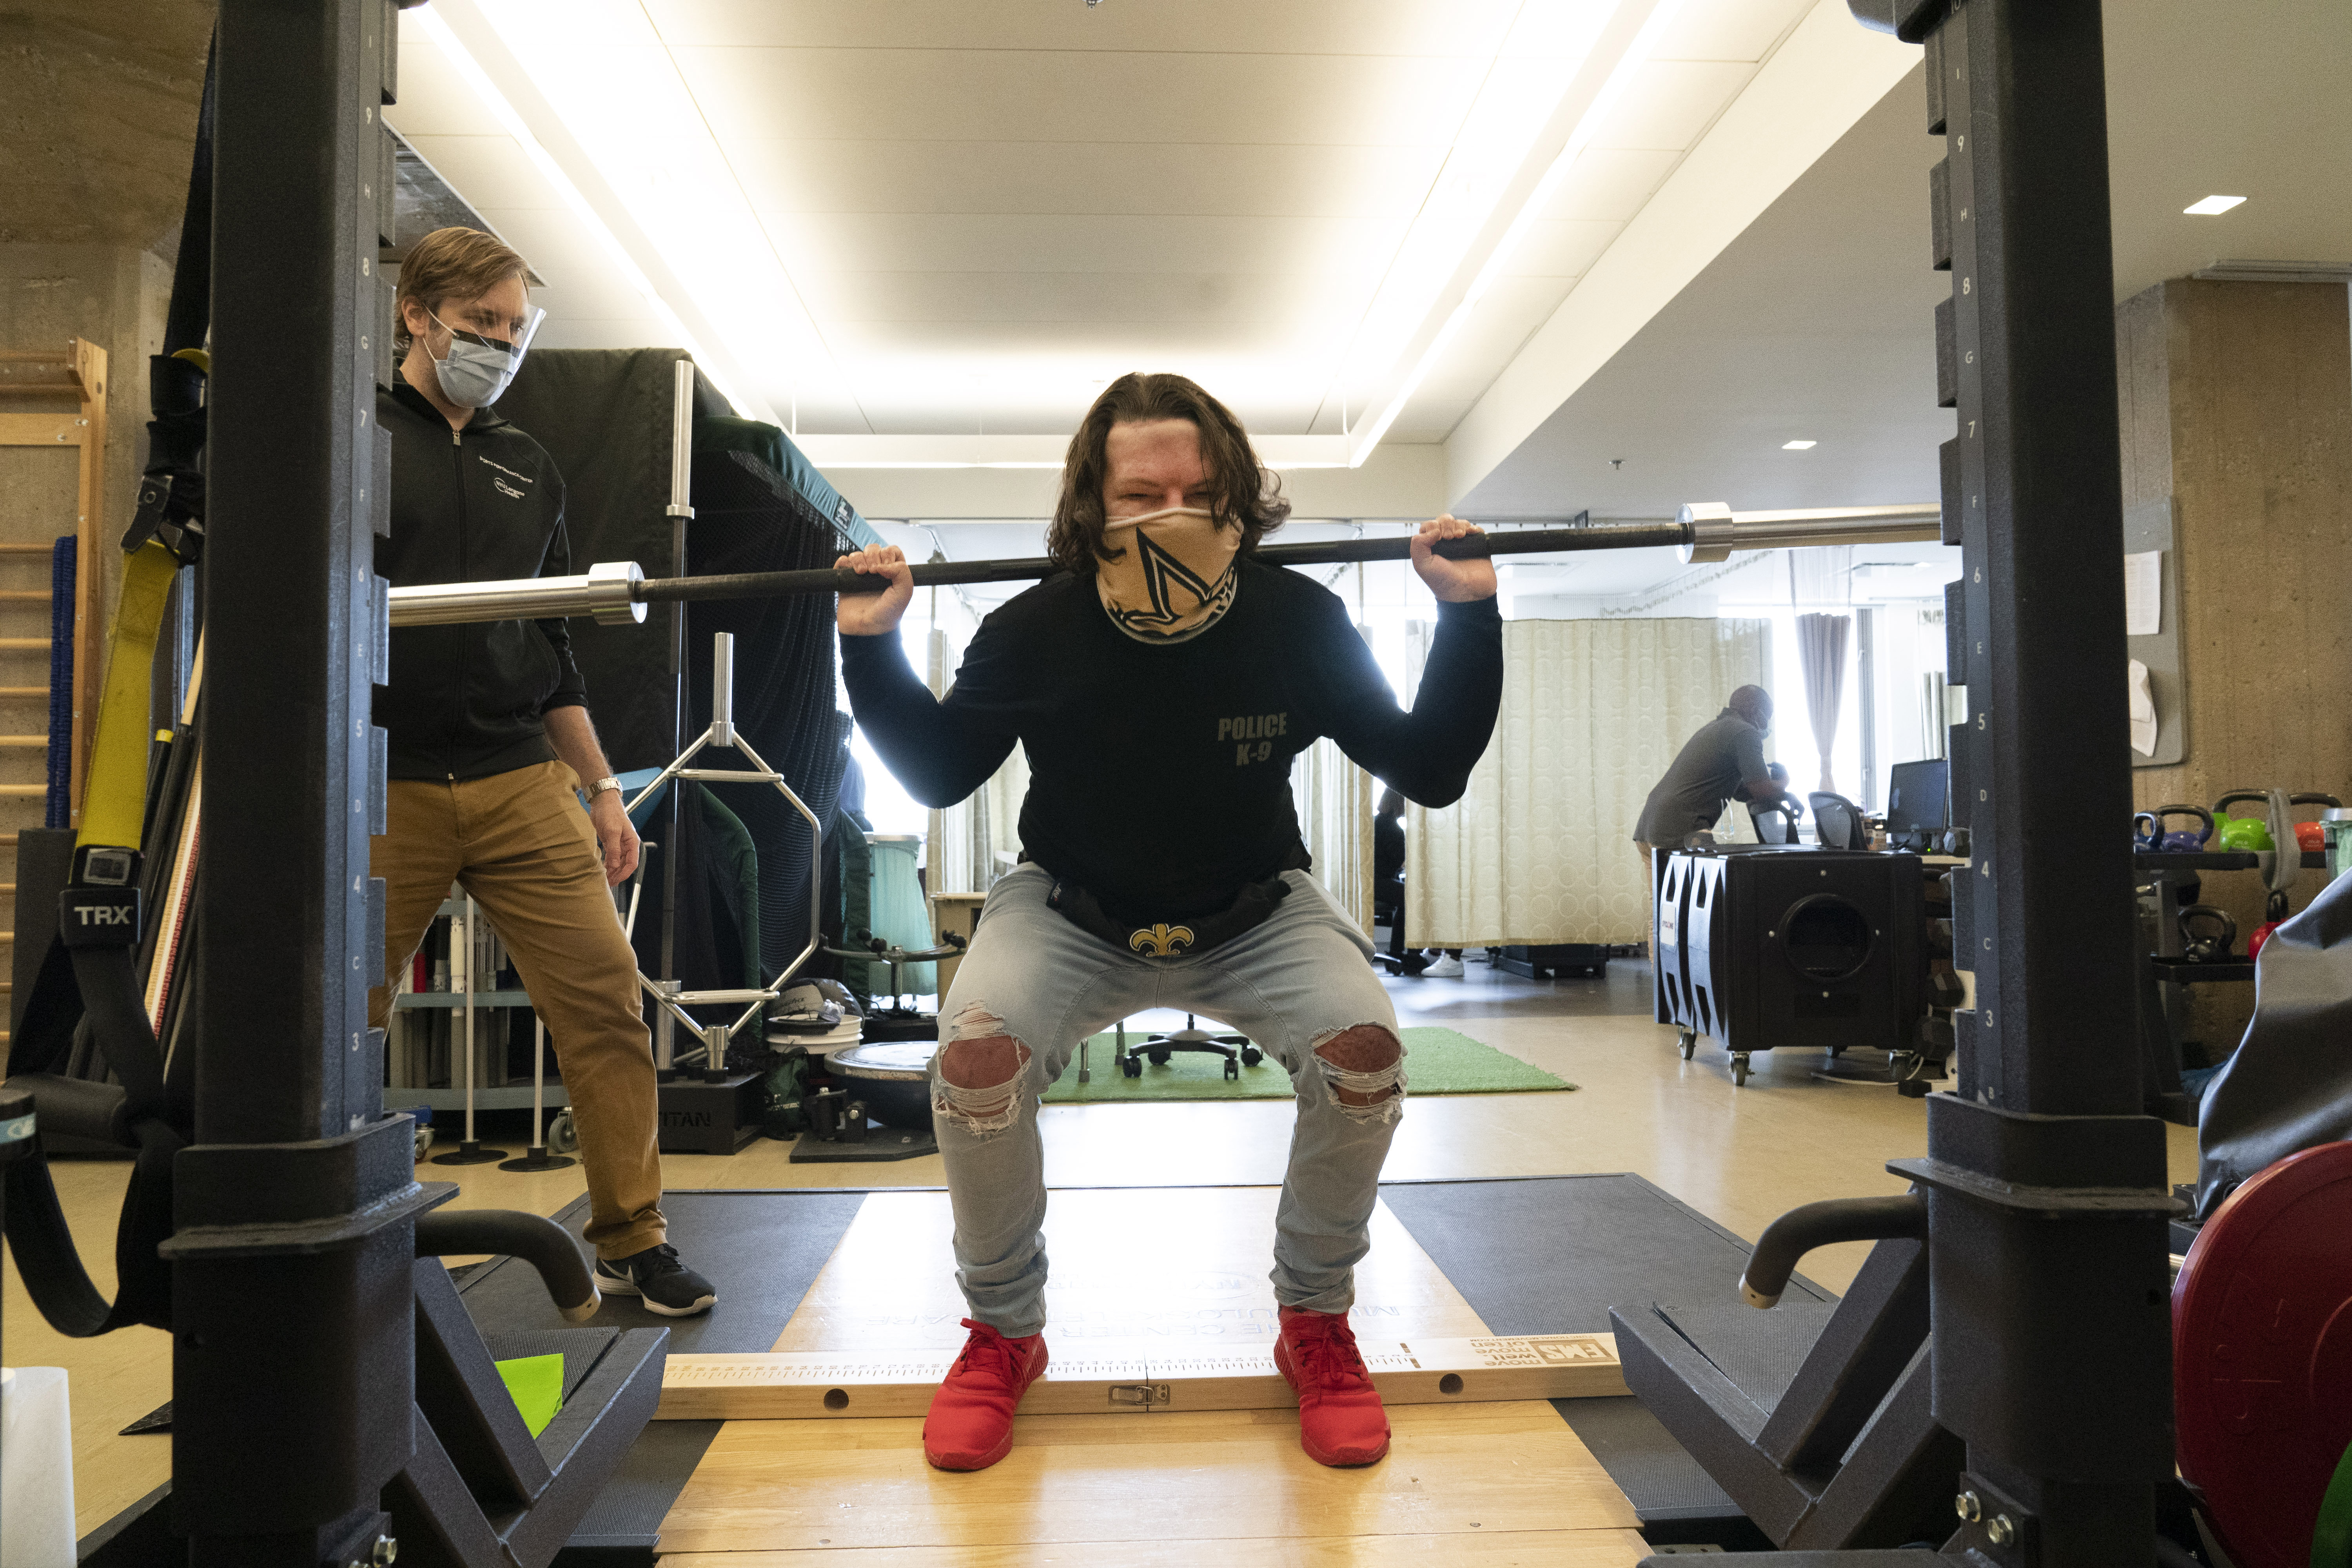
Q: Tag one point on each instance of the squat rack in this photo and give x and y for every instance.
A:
(298, 1205)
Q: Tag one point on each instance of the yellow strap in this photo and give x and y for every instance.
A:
(114, 792)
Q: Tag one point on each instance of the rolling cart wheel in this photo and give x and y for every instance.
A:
(1131, 1067)
(562, 1137)
(1232, 1069)
(1688, 1041)
(1738, 1070)
(424, 1141)
(1252, 1055)
(1159, 1059)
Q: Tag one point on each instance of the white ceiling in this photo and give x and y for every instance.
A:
(944, 218)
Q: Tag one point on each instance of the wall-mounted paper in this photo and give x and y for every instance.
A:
(2143, 711)
(2144, 593)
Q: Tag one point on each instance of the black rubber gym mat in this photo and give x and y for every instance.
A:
(761, 1248)
(1552, 1254)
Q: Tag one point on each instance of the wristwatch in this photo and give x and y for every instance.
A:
(600, 786)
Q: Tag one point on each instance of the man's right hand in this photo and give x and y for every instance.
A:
(869, 615)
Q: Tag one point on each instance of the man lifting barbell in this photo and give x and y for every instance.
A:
(1161, 686)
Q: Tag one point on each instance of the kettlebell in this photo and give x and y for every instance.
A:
(2311, 837)
(2180, 842)
(2245, 834)
(2273, 915)
(2212, 945)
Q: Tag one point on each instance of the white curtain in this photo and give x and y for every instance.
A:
(1540, 848)
(963, 841)
(1335, 817)
(1821, 650)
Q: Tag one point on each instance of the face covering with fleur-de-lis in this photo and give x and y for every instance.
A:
(1173, 577)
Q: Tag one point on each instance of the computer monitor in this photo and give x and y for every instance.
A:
(1916, 798)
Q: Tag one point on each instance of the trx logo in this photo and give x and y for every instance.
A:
(1259, 728)
(105, 914)
(1161, 940)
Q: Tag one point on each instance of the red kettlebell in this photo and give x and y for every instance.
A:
(2311, 837)
(2274, 914)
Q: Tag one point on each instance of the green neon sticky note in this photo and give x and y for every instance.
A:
(537, 1384)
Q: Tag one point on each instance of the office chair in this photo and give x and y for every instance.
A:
(1838, 822)
(1158, 1048)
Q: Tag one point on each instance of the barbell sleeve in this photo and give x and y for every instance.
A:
(1715, 530)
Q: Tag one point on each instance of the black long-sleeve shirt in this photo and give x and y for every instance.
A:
(481, 504)
(1160, 775)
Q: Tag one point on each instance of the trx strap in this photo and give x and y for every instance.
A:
(90, 981)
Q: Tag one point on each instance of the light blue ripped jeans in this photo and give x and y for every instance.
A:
(1290, 984)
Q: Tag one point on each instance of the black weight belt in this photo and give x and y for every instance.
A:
(1186, 937)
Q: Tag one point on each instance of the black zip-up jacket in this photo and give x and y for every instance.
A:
(474, 505)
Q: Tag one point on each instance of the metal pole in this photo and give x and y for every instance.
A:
(294, 1331)
(469, 1151)
(680, 513)
(722, 689)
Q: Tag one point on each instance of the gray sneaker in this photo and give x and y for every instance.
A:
(667, 1286)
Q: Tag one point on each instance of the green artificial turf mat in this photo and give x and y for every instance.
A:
(1437, 1061)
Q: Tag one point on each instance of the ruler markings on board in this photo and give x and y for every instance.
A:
(815, 1385)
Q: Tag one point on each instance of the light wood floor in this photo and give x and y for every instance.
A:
(1186, 1264)
(1740, 1157)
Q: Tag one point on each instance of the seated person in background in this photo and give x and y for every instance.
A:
(1387, 869)
(1167, 651)
(1723, 761)
(1388, 894)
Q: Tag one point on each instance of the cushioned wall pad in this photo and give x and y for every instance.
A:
(761, 1250)
(1551, 1256)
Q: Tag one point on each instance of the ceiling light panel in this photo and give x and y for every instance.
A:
(1798, 446)
(2211, 205)
(1404, 28)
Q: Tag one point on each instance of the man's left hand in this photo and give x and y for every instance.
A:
(614, 835)
(1452, 582)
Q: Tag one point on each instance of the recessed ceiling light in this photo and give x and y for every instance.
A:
(2213, 204)
(1798, 446)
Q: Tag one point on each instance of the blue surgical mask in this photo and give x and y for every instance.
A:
(476, 369)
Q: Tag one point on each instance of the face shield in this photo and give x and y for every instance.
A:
(478, 368)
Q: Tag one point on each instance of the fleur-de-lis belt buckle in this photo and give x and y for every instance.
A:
(1161, 940)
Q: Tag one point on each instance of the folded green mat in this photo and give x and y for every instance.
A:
(1437, 1061)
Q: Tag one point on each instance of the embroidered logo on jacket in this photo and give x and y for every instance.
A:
(505, 488)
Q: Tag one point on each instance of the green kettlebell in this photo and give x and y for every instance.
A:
(2243, 833)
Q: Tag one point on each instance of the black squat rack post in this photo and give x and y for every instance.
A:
(293, 1358)
(2045, 1185)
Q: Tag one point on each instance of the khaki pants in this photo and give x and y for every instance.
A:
(520, 844)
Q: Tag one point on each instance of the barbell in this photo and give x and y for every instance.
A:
(618, 592)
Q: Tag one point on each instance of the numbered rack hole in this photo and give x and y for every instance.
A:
(836, 1399)
(1450, 1384)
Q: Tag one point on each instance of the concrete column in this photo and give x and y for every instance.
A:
(2237, 404)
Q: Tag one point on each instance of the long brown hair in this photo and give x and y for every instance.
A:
(1248, 495)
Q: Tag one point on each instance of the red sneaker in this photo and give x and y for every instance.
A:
(970, 1424)
(1340, 1421)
